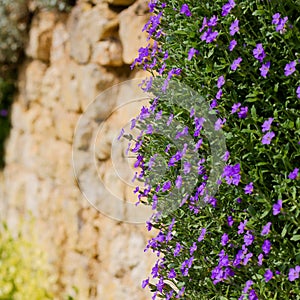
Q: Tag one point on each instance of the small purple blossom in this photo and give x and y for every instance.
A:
(227, 8)
(294, 273)
(247, 286)
(259, 52)
(242, 114)
(202, 235)
(248, 238)
(260, 259)
(268, 275)
(4, 113)
(185, 10)
(221, 82)
(249, 188)
(234, 27)
(166, 186)
(230, 221)
(177, 249)
(267, 125)
(247, 258)
(266, 140)
(252, 295)
(294, 174)
(266, 246)
(241, 227)
(219, 124)
(192, 52)
(298, 92)
(193, 248)
(236, 63)
(224, 239)
(172, 274)
(290, 68)
(265, 69)
(232, 45)
(145, 283)
(280, 26)
(276, 18)
(213, 21)
(266, 229)
(277, 207)
(232, 174)
(235, 107)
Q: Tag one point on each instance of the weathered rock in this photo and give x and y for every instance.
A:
(108, 53)
(59, 40)
(40, 36)
(132, 21)
(121, 2)
(34, 76)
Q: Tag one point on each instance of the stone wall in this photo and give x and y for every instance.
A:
(70, 59)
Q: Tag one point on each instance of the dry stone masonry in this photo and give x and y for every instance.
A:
(70, 59)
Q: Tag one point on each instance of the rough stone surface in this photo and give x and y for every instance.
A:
(72, 61)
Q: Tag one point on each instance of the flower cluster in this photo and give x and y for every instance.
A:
(242, 241)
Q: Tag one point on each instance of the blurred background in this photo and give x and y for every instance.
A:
(55, 57)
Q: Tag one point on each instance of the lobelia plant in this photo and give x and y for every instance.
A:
(243, 58)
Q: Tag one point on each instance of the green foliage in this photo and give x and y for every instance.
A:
(267, 166)
(23, 272)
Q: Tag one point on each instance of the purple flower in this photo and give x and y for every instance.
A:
(268, 275)
(230, 221)
(266, 140)
(290, 68)
(213, 21)
(294, 273)
(204, 24)
(185, 10)
(247, 286)
(234, 27)
(241, 227)
(145, 283)
(281, 24)
(224, 239)
(277, 208)
(236, 63)
(226, 156)
(178, 181)
(276, 18)
(227, 7)
(247, 258)
(172, 274)
(298, 92)
(260, 259)
(232, 174)
(201, 237)
(232, 44)
(259, 52)
(267, 125)
(211, 36)
(249, 188)
(242, 114)
(221, 82)
(219, 124)
(177, 249)
(266, 229)
(4, 113)
(265, 69)
(252, 295)
(166, 186)
(294, 174)
(191, 53)
(219, 94)
(248, 238)
(193, 248)
(235, 107)
(266, 246)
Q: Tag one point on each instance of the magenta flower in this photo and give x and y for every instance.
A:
(185, 10)
(290, 68)
(234, 27)
(265, 69)
(298, 92)
(192, 52)
(268, 275)
(236, 63)
(232, 44)
(277, 207)
(294, 174)
(266, 246)
(267, 125)
(259, 52)
(266, 229)
(266, 140)
(249, 188)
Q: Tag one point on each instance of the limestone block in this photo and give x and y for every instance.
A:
(34, 76)
(88, 27)
(132, 21)
(40, 35)
(51, 86)
(59, 39)
(108, 53)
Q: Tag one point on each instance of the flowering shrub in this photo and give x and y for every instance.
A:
(243, 57)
